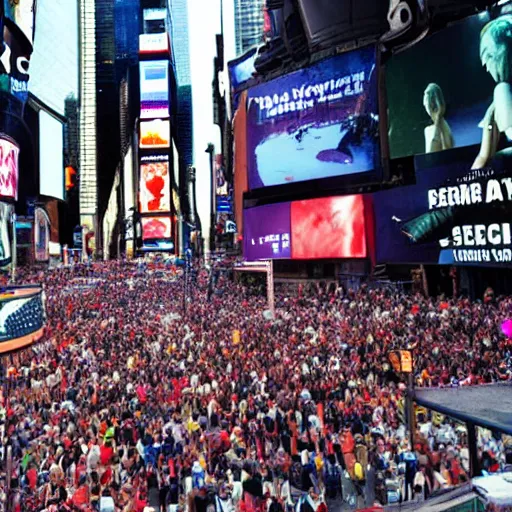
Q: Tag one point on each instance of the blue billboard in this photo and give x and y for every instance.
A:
(315, 123)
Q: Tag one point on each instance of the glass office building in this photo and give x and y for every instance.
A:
(249, 20)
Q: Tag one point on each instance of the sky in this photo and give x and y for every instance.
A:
(204, 23)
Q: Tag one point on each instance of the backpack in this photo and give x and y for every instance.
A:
(358, 472)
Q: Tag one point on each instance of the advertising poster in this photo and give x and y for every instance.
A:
(452, 215)
(154, 89)
(9, 154)
(460, 95)
(22, 13)
(6, 211)
(319, 122)
(331, 227)
(41, 235)
(156, 228)
(267, 232)
(155, 187)
(155, 134)
(149, 44)
(325, 228)
(14, 66)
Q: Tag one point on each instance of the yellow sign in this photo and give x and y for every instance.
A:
(401, 360)
(236, 337)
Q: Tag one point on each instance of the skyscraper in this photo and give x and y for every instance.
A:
(88, 152)
(181, 52)
(249, 22)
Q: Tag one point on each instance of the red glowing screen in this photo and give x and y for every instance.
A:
(331, 227)
(155, 188)
(156, 228)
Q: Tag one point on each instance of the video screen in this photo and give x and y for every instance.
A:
(156, 228)
(452, 215)
(155, 134)
(22, 13)
(332, 227)
(242, 69)
(41, 235)
(9, 154)
(153, 43)
(154, 89)
(319, 122)
(459, 96)
(51, 156)
(155, 187)
(267, 232)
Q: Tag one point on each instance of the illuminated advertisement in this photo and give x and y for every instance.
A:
(154, 89)
(14, 66)
(22, 309)
(155, 187)
(41, 235)
(267, 232)
(22, 14)
(319, 122)
(153, 43)
(9, 154)
(452, 215)
(240, 72)
(456, 98)
(156, 228)
(6, 211)
(155, 134)
(331, 227)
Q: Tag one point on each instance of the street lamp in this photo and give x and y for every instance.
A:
(213, 193)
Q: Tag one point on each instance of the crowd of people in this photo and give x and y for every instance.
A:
(133, 402)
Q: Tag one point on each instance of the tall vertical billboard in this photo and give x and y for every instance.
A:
(155, 166)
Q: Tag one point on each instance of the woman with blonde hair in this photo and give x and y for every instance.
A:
(496, 57)
(438, 136)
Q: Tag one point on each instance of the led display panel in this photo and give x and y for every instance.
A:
(22, 14)
(267, 232)
(460, 95)
(154, 228)
(316, 123)
(9, 155)
(155, 187)
(154, 89)
(51, 156)
(450, 216)
(155, 134)
(41, 235)
(331, 227)
(150, 44)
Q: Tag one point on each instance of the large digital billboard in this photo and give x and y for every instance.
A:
(22, 14)
(154, 89)
(453, 90)
(55, 59)
(155, 187)
(154, 228)
(325, 228)
(319, 122)
(23, 312)
(9, 155)
(155, 134)
(452, 215)
(267, 232)
(51, 156)
(331, 227)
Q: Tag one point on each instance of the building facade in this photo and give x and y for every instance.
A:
(249, 20)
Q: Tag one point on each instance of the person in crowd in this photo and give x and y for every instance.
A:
(129, 402)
